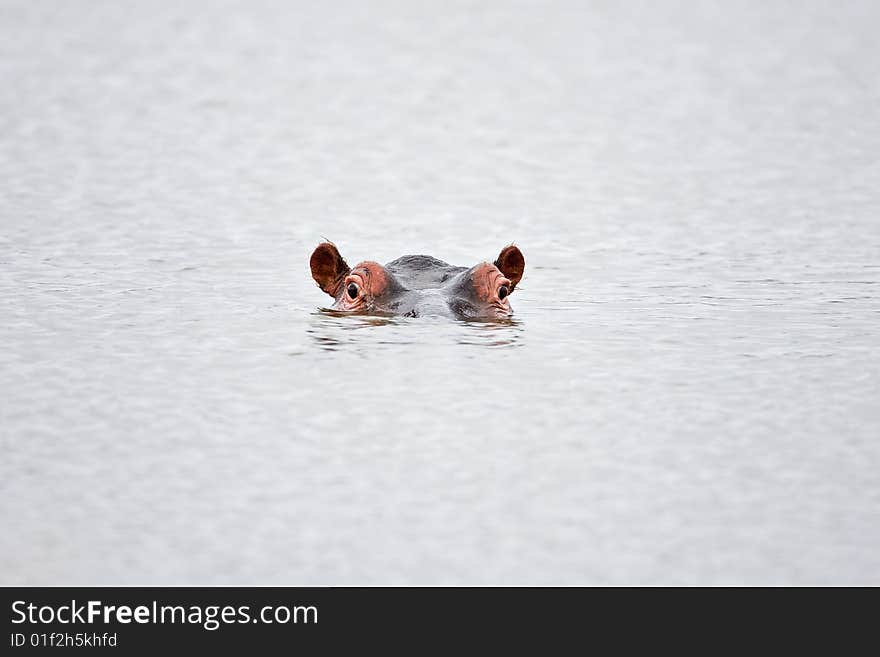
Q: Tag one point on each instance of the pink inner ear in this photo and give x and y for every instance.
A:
(328, 268)
(512, 264)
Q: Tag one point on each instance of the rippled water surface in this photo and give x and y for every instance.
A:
(688, 392)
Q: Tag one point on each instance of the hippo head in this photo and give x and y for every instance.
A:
(419, 285)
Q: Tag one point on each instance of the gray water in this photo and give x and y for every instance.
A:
(688, 393)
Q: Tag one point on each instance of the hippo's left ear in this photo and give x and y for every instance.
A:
(329, 268)
(512, 264)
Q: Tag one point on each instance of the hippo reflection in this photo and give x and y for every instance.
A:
(417, 285)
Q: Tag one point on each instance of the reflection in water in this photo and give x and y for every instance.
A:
(334, 330)
(507, 332)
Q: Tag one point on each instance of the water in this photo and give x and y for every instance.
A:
(688, 393)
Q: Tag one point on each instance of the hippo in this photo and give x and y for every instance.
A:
(419, 285)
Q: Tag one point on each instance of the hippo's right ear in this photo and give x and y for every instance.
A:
(329, 269)
(512, 264)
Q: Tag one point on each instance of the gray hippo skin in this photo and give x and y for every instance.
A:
(418, 285)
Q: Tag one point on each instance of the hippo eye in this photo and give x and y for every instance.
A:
(352, 290)
(503, 292)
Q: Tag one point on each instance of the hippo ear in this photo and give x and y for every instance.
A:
(329, 268)
(512, 264)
